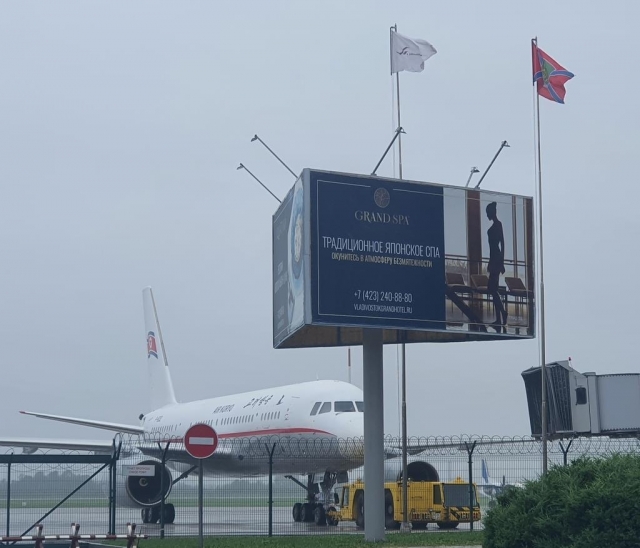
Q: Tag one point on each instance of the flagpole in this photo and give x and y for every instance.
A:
(405, 526)
(543, 367)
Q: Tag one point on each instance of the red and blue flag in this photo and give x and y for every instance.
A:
(549, 75)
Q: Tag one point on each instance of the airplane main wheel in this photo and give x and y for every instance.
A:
(169, 513)
(297, 512)
(154, 514)
(319, 516)
(359, 504)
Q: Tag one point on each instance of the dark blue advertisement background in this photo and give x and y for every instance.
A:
(344, 207)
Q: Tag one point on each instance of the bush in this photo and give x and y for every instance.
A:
(592, 503)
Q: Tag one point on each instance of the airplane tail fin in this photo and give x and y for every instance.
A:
(486, 478)
(161, 387)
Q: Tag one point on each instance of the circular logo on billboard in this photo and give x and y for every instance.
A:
(381, 197)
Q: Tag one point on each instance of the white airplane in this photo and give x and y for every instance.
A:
(491, 488)
(302, 418)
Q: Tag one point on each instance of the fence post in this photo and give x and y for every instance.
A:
(565, 452)
(9, 493)
(270, 453)
(111, 472)
(114, 483)
(471, 492)
(164, 460)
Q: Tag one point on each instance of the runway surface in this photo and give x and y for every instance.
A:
(217, 521)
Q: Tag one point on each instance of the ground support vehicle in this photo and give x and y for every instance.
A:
(444, 503)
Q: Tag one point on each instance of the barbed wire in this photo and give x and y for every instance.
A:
(321, 446)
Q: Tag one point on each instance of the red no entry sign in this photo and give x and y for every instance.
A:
(201, 441)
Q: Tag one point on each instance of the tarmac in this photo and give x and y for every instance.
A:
(217, 522)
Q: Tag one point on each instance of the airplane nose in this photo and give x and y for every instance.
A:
(351, 435)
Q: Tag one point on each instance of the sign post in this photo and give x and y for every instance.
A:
(200, 441)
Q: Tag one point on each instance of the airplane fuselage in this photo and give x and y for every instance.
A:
(316, 426)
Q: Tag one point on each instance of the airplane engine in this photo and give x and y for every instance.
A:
(142, 491)
(417, 470)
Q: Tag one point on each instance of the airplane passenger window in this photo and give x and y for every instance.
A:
(326, 408)
(360, 406)
(344, 407)
(316, 406)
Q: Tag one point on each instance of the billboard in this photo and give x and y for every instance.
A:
(423, 261)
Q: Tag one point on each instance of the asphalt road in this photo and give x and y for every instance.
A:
(217, 521)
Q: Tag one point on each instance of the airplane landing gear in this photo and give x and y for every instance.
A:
(311, 510)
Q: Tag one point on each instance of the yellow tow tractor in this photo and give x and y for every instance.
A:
(444, 503)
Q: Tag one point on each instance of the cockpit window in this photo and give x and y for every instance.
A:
(315, 408)
(326, 408)
(344, 407)
(360, 406)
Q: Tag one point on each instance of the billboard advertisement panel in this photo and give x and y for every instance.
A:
(288, 263)
(423, 261)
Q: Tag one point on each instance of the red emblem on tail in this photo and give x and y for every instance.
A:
(152, 349)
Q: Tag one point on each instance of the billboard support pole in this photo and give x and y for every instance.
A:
(543, 369)
(405, 527)
(372, 388)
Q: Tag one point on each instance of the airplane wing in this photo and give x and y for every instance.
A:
(31, 445)
(113, 426)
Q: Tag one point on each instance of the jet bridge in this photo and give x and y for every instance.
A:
(583, 404)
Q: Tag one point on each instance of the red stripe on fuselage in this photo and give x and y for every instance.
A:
(256, 433)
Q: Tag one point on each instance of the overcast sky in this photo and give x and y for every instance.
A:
(122, 124)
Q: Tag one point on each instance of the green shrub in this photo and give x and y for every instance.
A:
(592, 503)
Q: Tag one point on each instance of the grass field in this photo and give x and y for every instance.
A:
(323, 541)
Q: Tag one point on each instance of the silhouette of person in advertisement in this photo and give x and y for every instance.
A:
(496, 265)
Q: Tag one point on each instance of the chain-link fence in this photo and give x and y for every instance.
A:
(101, 493)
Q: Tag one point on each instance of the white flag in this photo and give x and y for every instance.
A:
(409, 54)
